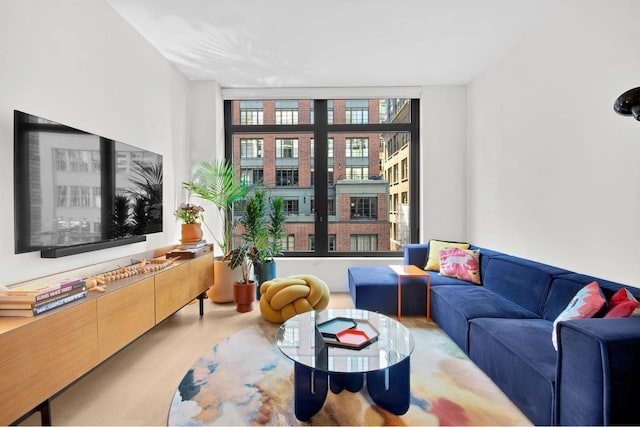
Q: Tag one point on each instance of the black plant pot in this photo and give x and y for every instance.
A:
(263, 272)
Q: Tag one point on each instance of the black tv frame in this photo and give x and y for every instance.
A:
(22, 226)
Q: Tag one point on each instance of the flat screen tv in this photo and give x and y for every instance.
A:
(75, 191)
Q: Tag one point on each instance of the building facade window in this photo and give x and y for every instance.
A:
(364, 242)
(291, 206)
(286, 176)
(357, 147)
(364, 208)
(286, 112)
(286, 148)
(404, 169)
(332, 242)
(251, 148)
(288, 242)
(251, 113)
(253, 176)
(357, 111)
(357, 173)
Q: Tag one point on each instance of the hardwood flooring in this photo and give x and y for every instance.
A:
(136, 385)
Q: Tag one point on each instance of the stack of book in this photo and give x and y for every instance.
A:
(32, 299)
(189, 250)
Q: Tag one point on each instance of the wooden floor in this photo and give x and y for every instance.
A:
(135, 386)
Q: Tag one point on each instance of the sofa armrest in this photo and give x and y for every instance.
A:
(416, 254)
(598, 371)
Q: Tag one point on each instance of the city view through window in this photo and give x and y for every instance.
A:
(357, 151)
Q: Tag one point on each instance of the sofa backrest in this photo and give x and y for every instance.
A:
(522, 281)
(565, 286)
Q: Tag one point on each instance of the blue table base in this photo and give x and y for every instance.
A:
(389, 388)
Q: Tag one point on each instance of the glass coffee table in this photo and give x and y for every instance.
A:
(340, 349)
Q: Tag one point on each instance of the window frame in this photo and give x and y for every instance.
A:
(321, 126)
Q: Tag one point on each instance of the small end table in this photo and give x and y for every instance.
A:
(411, 271)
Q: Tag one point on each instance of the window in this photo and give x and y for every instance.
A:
(291, 206)
(327, 159)
(286, 148)
(357, 173)
(364, 208)
(404, 197)
(357, 147)
(251, 113)
(286, 112)
(286, 176)
(288, 242)
(331, 207)
(251, 148)
(357, 111)
(364, 242)
(332, 242)
(62, 196)
(395, 173)
(253, 176)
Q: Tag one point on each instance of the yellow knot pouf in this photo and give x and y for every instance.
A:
(284, 297)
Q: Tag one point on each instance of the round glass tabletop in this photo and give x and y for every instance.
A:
(317, 339)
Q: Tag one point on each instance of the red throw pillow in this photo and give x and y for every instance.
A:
(622, 304)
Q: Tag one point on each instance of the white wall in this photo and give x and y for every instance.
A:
(443, 163)
(79, 63)
(552, 171)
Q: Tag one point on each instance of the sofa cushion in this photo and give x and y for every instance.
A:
(452, 307)
(461, 264)
(586, 303)
(522, 281)
(525, 369)
(433, 258)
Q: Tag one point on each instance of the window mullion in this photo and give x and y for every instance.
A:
(321, 191)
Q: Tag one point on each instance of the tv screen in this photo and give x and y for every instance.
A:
(76, 189)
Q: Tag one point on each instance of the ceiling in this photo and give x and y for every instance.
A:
(333, 43)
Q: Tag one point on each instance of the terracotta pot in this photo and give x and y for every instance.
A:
(191, 233)
(244, 295)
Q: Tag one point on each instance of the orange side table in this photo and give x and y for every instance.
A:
(411, 271)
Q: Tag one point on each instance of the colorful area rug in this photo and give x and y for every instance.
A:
(245, 380)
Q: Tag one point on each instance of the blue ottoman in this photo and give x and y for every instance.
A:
(376, 289)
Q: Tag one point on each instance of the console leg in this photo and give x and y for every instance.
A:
(45, 413)
(390, 388)
(310, 391)
(201, 303)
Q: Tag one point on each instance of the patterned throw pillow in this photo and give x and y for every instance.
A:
(623, 304)
(433, 260)
(585, 304)
(463, 264)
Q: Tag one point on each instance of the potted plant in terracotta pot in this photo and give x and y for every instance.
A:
(219, 183)
(191, 217)
(244, 291)
(263, 232)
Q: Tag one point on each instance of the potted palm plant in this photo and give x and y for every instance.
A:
(217, 182)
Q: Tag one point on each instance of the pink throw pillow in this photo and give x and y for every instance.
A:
(463, 264)
(586, 303)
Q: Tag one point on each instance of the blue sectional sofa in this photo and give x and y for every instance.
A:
(505, 326)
